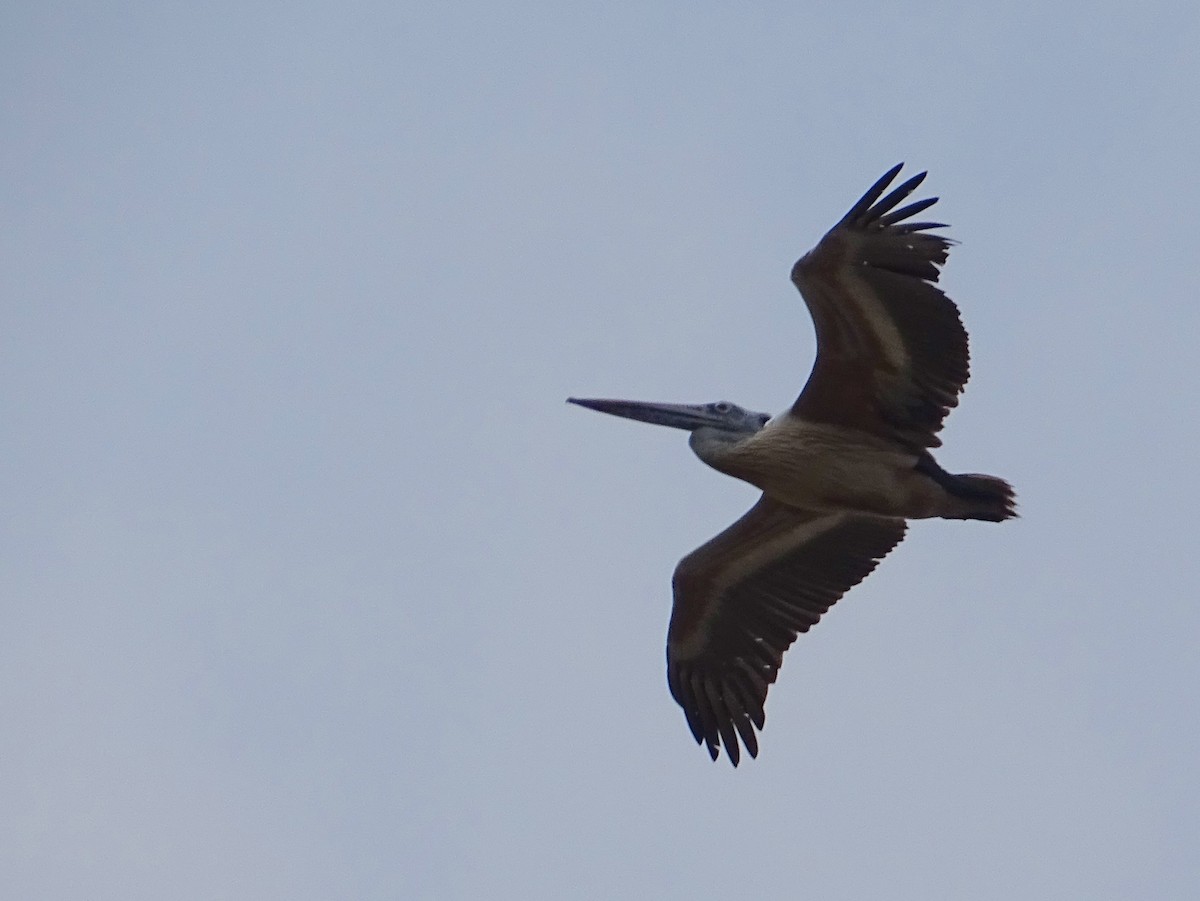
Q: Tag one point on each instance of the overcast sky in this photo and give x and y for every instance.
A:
(312, 587)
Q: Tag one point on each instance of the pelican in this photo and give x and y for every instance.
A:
(840, 472)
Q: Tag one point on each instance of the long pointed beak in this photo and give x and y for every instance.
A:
(677, 416)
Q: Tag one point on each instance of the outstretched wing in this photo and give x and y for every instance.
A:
(891, 349)
(741, 599)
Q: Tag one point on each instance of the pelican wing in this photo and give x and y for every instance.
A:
(741, 599)
(891, 349)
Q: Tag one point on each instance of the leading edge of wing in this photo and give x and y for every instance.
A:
(743, 597)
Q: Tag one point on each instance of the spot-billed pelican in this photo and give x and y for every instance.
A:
(840, 471)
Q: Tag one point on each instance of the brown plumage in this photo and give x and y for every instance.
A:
(841, 471)
(869, 284)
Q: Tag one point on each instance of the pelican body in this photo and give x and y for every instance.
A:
(841, 471)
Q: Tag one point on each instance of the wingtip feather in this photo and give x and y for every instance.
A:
(873, 193)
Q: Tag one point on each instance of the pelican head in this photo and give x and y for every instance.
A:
(715, 427)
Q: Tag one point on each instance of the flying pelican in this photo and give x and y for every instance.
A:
(840, 471)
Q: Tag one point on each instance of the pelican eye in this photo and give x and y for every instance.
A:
(723, 406)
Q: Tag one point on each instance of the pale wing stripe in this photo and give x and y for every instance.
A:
(750, 559)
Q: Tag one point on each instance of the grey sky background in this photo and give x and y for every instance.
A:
(313, 587)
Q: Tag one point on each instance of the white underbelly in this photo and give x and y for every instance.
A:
(823, 467)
